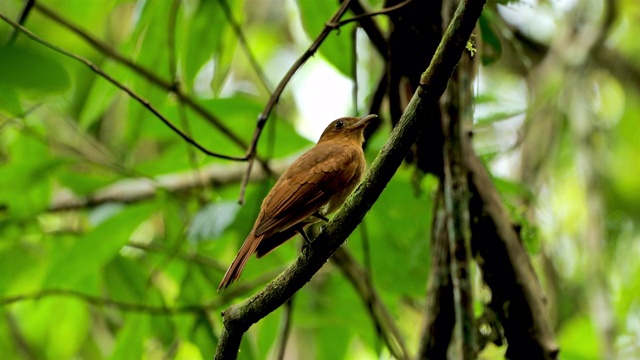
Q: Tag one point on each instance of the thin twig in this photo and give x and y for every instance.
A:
(262, 119)
(372, 30)
(285, 330)
(171, 43)
(388, 10)
(145, 103)
(130, 190)
(354, 68)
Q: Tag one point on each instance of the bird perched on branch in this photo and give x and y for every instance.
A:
(315, 185)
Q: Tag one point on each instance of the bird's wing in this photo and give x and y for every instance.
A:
(305, 187)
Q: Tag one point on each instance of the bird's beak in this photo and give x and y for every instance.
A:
(365, 121)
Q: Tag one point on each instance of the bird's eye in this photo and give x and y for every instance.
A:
(339, 124)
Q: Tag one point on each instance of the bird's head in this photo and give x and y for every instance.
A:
(347, 128)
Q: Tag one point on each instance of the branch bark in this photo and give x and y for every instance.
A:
(139, 189)
(457, 111)
(238, 318)
(439, 312)
(516, 296)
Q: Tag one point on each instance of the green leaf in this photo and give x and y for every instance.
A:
(497, 117)
(204, 337)
(395, 238)
(188, 351)
(9, 102)
(208, 22)
(31, 71)
(337, 47)
(578, 339)
(90, 252)
(25, 191)
(149, 43)
(125, 280)
(16, 265)
(509, 187)
(130, 341)
(83, 183)
(100, 97)
(59, 325)
(492, 50)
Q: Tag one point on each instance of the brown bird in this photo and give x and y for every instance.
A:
(315, 185)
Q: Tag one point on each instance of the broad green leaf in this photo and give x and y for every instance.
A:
(398, 238)
(497, 117)
(59, 325)
(7, 344)
(125, 280)
(83, 183)
(492, 49)
(203, 335)
(189, 351)
(204, 36)
(26, 189)
(195, 286)
(509, 187)
(91, 251)
(16, 265)
(338, 47)
(130, 340)
(578, 339)
(100, 97)
(31, 71)
(148, 43)
(9, 102)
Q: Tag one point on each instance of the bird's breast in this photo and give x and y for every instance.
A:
(347, 184)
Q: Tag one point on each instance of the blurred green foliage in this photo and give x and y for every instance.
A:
(114, 280)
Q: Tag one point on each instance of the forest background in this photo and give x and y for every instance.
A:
(114, 231)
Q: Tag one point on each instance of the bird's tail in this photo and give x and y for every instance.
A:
(235, 269)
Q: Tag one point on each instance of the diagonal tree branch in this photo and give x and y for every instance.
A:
(516, 296)
(457, 111)
(439, 313)
(238, 318)
(28, 5)
(138, 189)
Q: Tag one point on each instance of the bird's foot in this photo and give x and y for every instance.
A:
(321, 217)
